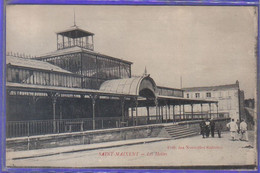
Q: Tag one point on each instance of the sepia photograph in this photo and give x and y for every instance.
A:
(131, 87)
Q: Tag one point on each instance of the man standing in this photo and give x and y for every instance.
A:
(243, 131)
(207, 128)
(233, 129)
(202, 128)
(218, 128)
(212, 127)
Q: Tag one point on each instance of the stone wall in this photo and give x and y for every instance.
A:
(87, 137)
(96, 136)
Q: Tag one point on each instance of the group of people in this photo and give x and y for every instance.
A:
(210, 126)
(236, 129)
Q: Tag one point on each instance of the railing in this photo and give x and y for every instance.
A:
(42, 127)
(190, 116)
(20, 55)
(75, 43)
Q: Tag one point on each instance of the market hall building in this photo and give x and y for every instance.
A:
(78, 89)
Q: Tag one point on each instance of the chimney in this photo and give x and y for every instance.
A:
(237, 83)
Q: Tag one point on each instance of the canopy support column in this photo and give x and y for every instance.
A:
(183, 111)
(132, 113)
(156, 107)
(60, 115)
(210, 110)
(136, 111)
(173, 113)
(168, 106)
(166, 112)
(148, 115)
(93, 99)
(201, 110)
(61, 111)
(217, 109)
(122, 99)
(180, 111)
(159, 114)
(161, 119)
(192, 111)
(54, 101)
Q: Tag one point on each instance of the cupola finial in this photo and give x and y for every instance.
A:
(74, 18)
(145, 71)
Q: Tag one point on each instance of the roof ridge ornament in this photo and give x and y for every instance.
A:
(74, 21)
(145, 72)
(74, 18)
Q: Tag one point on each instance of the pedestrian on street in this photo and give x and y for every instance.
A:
(243, 131)
(202, 128)
(238, 125)
(212, 127)
(218, 128)
(233, 128)
(207, 128)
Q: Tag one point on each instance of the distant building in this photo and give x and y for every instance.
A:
(250, 103)
(230, 99)
(250, 113)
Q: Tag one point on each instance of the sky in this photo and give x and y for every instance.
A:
(205, 46)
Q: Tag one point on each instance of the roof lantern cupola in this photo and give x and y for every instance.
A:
(75, 37)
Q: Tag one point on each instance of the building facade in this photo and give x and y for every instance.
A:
(230, 99)
(79, 89)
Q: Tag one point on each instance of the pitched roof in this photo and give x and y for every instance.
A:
(74, 32)
(213, 88)
(77, 50)
(35, 64)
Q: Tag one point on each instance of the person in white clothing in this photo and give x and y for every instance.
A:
(233, 129)
(243, 130)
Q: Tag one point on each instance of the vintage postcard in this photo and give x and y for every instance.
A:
(139, 87)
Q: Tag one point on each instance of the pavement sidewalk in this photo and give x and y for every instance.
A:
(14, 155)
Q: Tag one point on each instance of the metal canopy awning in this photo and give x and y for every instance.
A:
(62, 90)
(139, 86)
(142, 101)
(181, 100)
(169, 100)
